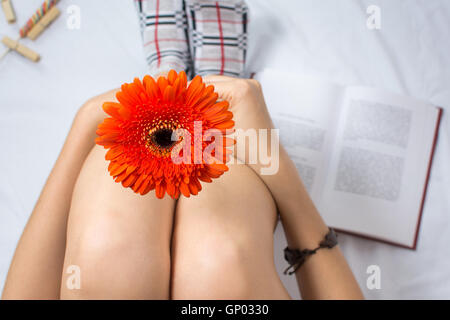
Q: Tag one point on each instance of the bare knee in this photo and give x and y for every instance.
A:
(218, 269)
(92, 111)
(117, 266)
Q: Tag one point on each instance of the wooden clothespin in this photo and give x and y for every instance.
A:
(20, 48)
(43, 23)
(8, 10)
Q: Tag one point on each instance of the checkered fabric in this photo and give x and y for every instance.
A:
(165, 35)
(218, 36)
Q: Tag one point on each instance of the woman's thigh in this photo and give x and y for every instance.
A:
(119, 240)
(222, 245)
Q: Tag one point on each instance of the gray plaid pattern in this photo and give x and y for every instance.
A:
(164, 32)
(197, 36)
(218, 36)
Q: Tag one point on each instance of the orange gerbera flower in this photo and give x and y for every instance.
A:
(138, 134)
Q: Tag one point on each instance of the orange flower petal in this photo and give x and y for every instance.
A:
(185, 189)
(160, 190)
(196, 94)
(129, 180)
(183, 79)
(109, 137)
(139, 85)
(139, 182)
(208, 102)
(131, 94)
(118, 169)
(122, 176)
(112, 108)
(169, 94)
(225, 125)
(150, 87)
(124, 113)
(113, 153)
(125, 100)
(207, 93)
(171, 77)
(150, 186)
(204, 177)
(171, 189)
(144, 186)
(218, 167)
(162, 84)
(193, 188)
(227, 115)
(194, 86)
(219, 107)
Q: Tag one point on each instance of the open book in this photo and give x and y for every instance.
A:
(364, 154)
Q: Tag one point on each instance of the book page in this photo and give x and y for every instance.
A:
(379, 165)
(305, 110)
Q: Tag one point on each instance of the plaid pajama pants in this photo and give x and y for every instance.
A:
(198, 36)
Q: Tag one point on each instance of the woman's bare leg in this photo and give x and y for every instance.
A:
(223, 241)
(37, 264)
(326, 275)
(119, 240)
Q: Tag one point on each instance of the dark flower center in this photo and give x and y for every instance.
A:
(163, 138)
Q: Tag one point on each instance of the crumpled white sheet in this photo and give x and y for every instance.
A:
(326, 38)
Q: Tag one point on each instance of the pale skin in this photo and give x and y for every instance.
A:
(217, 245)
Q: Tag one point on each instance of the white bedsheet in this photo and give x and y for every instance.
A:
(327, 38)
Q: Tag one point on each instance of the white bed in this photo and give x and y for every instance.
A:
(410, 54)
